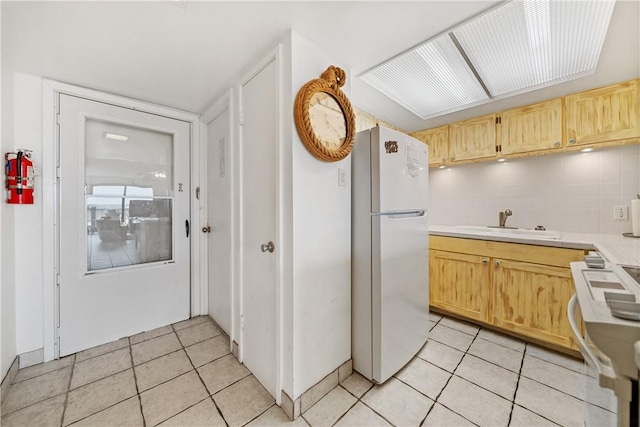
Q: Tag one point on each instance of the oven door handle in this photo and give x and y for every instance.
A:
(606, 375)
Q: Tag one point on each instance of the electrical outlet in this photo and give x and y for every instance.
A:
(342, 177)
(620, 213)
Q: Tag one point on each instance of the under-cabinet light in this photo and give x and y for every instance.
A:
(441, 166)
(587, 149)
(116, 137)
(502, 159)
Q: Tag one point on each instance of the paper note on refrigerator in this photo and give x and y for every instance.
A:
(413, 160)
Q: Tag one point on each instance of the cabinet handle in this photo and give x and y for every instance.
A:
(485, 260)
(572, 141)
(497, 263)
(453, 157)
(556, 144)
(444, 160)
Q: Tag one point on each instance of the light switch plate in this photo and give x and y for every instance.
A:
(342, 177)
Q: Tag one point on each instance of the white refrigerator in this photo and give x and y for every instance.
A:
(390, 270)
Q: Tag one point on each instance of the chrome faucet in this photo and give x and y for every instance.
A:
(502, 217)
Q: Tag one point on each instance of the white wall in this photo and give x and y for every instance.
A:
(7, 257)
(571, 192)
(22, 246)
(29, 218)
(321, 241)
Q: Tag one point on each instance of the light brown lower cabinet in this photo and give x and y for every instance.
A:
(460, 284)
(532, 299)
(509, 286)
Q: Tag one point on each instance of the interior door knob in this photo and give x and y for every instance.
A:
(267, 247)
(206, 229)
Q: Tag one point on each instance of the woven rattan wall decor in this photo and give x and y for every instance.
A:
(324, 116)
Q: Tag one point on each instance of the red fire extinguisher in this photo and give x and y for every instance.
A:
(19, 177)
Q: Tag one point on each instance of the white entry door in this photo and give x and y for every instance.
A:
(124, 219)
(259, 245)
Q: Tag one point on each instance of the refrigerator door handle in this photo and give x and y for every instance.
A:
(401, 215)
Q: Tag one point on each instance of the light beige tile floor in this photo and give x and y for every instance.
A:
(184, 375)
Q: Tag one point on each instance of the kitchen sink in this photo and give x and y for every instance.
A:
(516, 232)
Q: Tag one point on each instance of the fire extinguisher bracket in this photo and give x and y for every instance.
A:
(19, 173)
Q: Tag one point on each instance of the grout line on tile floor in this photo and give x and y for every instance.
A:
(554, 363)
(135, 380)
(220, 411)
(186, 409)
(447, 383)
(148, 339)
(210, 396)
(458, 330)
(375, 412)
(254, 418)
(365, 404)
(515, 392)
(66, 397)
(101, 410)
(155, 358)
(345, 412)
(101, 354)
(497, 343)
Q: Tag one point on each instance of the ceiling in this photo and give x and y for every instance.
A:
(185, 54)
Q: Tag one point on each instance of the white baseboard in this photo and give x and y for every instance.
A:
(31, 358)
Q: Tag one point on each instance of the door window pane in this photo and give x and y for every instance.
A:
(128, 195)
(143, 160)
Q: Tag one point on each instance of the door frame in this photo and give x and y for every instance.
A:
(50, 231)
(276, 56)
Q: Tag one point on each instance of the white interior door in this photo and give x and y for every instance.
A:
(219, 220)
(124, 211)
(258, 339)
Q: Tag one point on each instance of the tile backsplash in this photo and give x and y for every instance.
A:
(571, 192)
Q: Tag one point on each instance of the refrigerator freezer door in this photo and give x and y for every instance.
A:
(399, 171)
(400, 291)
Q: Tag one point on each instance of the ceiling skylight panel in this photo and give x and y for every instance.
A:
(429, 80)
(524, 45)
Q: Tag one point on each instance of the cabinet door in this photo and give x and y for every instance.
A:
(460, 284)
(532, 299)
(600, 115)
(438, 141)
(473, 139)
(533, 128)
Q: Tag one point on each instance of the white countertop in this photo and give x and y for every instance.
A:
(617, 249)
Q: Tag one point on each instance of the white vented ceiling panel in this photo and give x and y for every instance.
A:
(519, 46)
(429, 80)
(524, 45)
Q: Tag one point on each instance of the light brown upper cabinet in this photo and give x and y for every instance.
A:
(473, 139)
(438, 141)
(535, 127)
(601, 115)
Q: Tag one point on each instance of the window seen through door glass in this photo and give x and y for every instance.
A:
(128, 195)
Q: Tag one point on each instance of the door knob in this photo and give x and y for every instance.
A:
(267, 247)
(206, 229)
